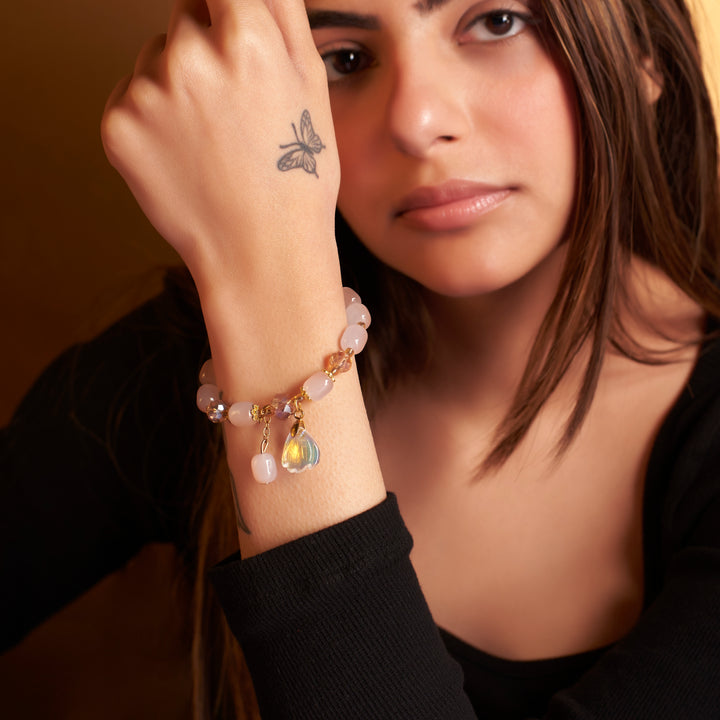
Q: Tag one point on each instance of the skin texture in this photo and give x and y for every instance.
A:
(445, 99)
(197, 132)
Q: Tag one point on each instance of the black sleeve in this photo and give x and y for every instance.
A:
(93, 463)
(335, 625)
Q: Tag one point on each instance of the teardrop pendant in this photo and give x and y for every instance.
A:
(300, 451)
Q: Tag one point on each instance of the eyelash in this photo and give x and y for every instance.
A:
(499, 14)
(366, 61)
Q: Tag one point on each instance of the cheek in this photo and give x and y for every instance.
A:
(546, 117)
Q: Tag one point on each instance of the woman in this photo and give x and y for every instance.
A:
(536, 184)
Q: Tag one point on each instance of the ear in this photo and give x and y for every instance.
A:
(651, 79)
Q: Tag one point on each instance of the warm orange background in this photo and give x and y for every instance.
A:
(75, 252)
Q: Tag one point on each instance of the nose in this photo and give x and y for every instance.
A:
(427, 106)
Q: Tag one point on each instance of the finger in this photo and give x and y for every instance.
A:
(238, 24)
(288, 17)
(146, 61)
(194, 11)
(219, 9)
(292, 20)
(112, 122)
(117, 93)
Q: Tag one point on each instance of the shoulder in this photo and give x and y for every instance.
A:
(158, 344)
(114, 417)
(690, 432)
(683, 479)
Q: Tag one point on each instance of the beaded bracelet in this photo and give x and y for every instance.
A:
(300, 451)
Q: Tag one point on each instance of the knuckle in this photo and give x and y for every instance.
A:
(142, 95)
(245, 37)
(114, 133)
(123, 117)
(149, 52)
(187, 63)
(312, 67)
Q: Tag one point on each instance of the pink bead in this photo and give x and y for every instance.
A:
(206, 395)
(350, 296)
(207, 373)
(358, 313)
(240, 414)
(317, 386)
(354, 338)
(264, 468)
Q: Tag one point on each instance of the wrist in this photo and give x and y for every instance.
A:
(340, 427)
(269, 340)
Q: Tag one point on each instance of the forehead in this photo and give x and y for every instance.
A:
(422, 7)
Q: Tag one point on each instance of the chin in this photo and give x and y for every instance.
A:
(457, 273)
(461, 285)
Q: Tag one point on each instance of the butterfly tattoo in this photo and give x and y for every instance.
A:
(304, 149)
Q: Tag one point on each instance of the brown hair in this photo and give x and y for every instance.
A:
(222, 687)
(647, 185)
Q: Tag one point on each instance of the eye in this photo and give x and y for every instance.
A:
(343, 62)
(496, 25)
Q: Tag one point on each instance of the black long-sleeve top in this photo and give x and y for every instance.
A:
(103, 457)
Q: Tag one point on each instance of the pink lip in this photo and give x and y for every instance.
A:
(450, 206)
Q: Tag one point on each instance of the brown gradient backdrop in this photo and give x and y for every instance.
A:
(76, 253)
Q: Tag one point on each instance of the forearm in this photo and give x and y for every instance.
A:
(271, 351)
(233, 159)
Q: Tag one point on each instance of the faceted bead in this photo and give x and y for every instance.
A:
(206, 395)
(240, 414)
(354, 338)
(358, 313)
(317, 386)
(264, 468)
(282, 406)
(301, 451)
(339, 362)
(207, 373)
(350, 296)
(217, 411)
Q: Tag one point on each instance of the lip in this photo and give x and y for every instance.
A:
(452, 205)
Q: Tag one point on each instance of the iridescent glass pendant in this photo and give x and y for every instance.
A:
(300, 451)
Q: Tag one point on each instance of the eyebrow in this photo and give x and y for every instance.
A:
(427, 6)
(336, 18)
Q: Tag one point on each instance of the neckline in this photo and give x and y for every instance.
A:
(463, 651)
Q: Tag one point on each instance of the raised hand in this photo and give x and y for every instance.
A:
(224, 135)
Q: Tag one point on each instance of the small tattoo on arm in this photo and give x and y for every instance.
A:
(304, 149)
(238, 514)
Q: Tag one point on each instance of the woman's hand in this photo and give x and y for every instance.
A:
(197, 131)
(225, 137)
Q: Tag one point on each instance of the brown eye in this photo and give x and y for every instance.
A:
(500, 23)
(347, 62)
(341, 63)
(496, 25)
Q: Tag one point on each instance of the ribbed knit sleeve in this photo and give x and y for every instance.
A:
(335, 625)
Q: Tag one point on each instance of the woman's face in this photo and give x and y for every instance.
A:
(457, 136)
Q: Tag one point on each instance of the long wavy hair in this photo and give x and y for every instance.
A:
(647, 186)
